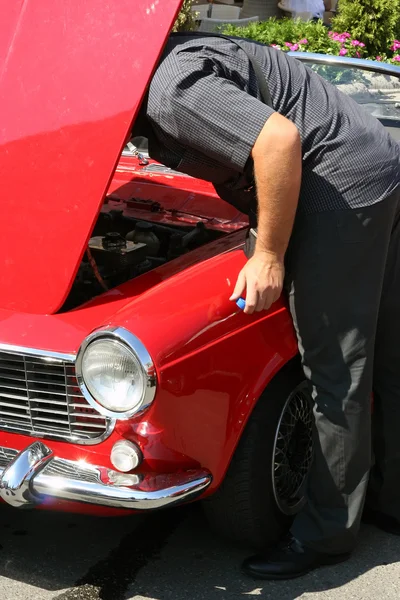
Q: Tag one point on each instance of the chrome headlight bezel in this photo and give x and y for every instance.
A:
(136, 347)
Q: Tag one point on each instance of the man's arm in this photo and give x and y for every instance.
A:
(277, 167)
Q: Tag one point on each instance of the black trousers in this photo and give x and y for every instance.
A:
(343, 286)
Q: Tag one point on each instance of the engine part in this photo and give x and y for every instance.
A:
(143, 233)
(197, 236)
(115, 253)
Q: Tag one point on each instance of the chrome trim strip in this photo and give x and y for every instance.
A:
(52, 356)
(362, 63)
(136, 346)
(80, 482)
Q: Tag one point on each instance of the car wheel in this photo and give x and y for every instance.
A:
(264, 484)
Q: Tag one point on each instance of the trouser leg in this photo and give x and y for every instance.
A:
(335, 266)
(384, 490)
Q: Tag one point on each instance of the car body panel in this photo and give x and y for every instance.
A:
(72, 78)
(182, 199)
(205, 351)
(212, 361)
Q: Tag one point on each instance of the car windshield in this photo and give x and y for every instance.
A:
(377, 92)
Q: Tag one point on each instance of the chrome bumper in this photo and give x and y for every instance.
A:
(33, 475)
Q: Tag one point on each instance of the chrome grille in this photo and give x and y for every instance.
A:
(40, 396)
(6, 456)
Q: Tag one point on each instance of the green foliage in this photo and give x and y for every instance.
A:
(376, 22)
(308, 36)
(280, 31)
(186, 17)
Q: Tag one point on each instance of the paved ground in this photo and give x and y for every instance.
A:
(166, 556)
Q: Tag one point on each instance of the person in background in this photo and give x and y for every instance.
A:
(310, 9)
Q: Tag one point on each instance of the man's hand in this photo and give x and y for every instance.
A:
(262, 278)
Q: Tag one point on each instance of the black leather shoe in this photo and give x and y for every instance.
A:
(382, 521)
(289, 560)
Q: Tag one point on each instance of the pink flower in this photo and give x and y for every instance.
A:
(292, 47)
(339, 38)
(355, 43)
(397, 57)
(303, 41)
(276, 46)
(343, 52)
(396, 45)
(361, 45)
(358, 54)
(379, 58)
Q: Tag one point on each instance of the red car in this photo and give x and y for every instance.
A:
(128, 380)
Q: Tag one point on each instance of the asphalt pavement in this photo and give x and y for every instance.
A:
(169, 555)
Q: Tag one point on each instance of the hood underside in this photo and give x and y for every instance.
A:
(72, 75)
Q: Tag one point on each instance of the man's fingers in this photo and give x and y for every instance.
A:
(251, 298)
(264, 301)
(239, 287)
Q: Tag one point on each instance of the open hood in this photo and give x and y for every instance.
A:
(72, 75)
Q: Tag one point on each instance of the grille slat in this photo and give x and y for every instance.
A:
(40, 396)
(12, 387)
(88, 425)
(13, 396)
(37, 390)
(8, 413)
(49, 420)
(86, 415)
(9, 377)
(11, 368)
(49, 401)
(12, 405)
(51, 411)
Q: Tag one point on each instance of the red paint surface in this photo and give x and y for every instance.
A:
(195, 199)
(72, 75)
(68, 98)
(212, 360)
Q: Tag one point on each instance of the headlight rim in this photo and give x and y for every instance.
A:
(134, 345)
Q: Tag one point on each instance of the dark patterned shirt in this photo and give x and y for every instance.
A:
(206, 113)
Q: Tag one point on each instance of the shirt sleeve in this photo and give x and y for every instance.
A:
(211, 114)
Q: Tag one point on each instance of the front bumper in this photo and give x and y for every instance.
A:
(29, 477)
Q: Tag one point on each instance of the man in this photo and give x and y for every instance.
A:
(314, 9)
(326, 202)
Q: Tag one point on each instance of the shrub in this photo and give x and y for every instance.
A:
(308, 36)
(186, 17)
(279, 31)
(376, 22)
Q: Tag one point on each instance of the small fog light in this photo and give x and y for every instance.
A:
(125, 456)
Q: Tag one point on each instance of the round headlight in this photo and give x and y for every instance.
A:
(113, 376)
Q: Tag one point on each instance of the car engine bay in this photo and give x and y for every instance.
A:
(122, 247)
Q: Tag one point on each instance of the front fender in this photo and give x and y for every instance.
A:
(212, 361)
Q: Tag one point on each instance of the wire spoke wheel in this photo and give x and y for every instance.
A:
(293, 451)
(256, 503)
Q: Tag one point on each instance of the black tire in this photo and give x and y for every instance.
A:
(264, 485)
